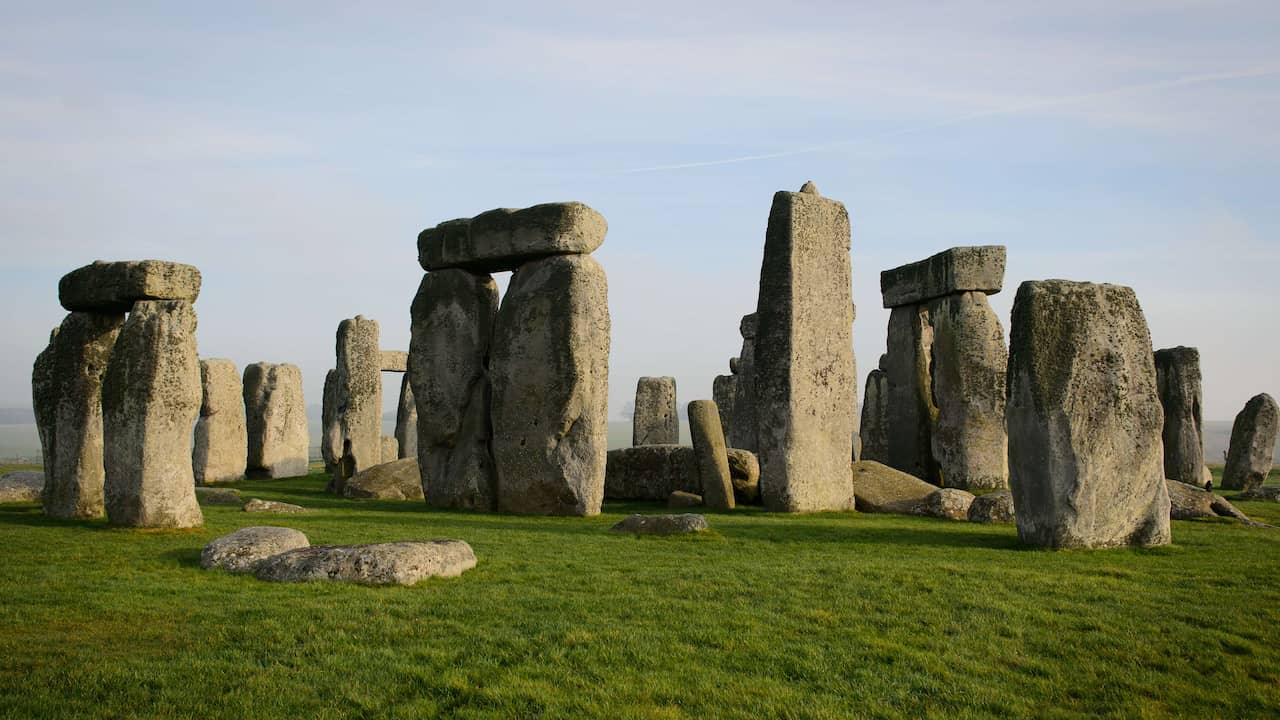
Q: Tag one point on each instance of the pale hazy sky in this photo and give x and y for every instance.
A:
(292, 151)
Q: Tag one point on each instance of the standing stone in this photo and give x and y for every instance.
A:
(151, 396)
(723, 388)
(359, 396)
(276, 419)
(390, 449)
(1253, 443)
(407, 420)
(1085, 462)
(910, 403)
(330, 424)
(804, 373)
(452, 326)
(969, 442)
(743, 425)
(74, 469)
(1178, 381)
(44, 400)
(875, 416)
(656, 421)
(221, 441)
(550, 373)
(713, 457)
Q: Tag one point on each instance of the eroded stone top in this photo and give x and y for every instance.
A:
(960, 269)
(113, 287)
(504, 239)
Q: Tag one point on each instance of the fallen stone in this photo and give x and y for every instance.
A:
(681, 499)
(394, 563)
(1268, 494)
(713, 459)
(359, 397)
(221, 440)
(994, 507)
(882, 489)
(1178, 383)
(113, 287)
(21, 486)
(390, 449)
(650, 472)
(662, 524)
(1188, 502)
(1253, 444)
(256, 505)
(655, 421)
(503, 239)
(394, 361)
(957, 270)
(276, 420)
(947, 503)
(744, 472)
(218, 496)
(397, 480)
(407, 420)
(247, 548)
(875, 418)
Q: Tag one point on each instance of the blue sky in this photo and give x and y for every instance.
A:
(293, 151)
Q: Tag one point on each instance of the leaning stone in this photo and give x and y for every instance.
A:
(875, 418)
(650, 472)
(910, 393)
(1178, 382)
(452, 327)
(256, 505)
(882, 489)
(21, 486)
(407, 420)
(113, 287)
(742, 427)
(957, 270)
(245, 549)
(359, 397)
(276, 419)
(550, 372)
(503, 239)
(390, 449)
(1188, 502)
(994, 507)
(723, 390)
(394, 361)
(330, 424)
(218, 496)
(713, 460)
(744, 472)
(45, 388)
(1266, 494)
(150, 399)
(1253, 444)
(947, 503)
(655, 421)
(394, 563)
(397, 480)
(1085, 461)
(681, 499)
(662, 524)
(804, 369)
(221, 440)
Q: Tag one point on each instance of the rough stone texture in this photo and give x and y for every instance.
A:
(713, 459)
(651, 472)
(681, 499)
(394, 563)
(1178, 382)
(957, 270)
(550, 373)
(113, 287)
(151, 397)
(947, 503)
(1253, 443)
(221, 440)
(1206, 477)
(276, 419)
(359, 397)
(723, 391)
(72, 403)
(218, 496)
(875, 418)
(656, 421)
(742, 427)
(1085, 459)
(805, 382)
(453, 317)
(744, 472)
(1267, 494)
(503, 239)
(662, 524)
(394, 361)
(968, 436)
(407, 420)
(21, 486)
(245, 549)
(910, 398)
(882, 489)
(44, 399)
(390, 449)
(397, 480)
(1188, 502)
(996, 507)
(256, 505)
(331, 423)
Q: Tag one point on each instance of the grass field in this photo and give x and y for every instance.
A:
(822, 616)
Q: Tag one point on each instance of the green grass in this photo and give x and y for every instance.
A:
(823, 616)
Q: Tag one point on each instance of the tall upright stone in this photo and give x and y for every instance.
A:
(44, 400)
(742, 428)
(911, 410)
(803, 359)
(330, 424)
(875, 415)
(151, 396)
(1084, 418)
(550, 372)
(656, 421)
(713, 456)
(1253, 444)
(1178, 382)
(359, 396)
(723, 392)
(276, 420)
(407, 420)
(221, 440)
(452, 327)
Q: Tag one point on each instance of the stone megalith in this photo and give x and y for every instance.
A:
(330, 424)
(875, 417)
(276, 419)
(713, 457)
(910, 398)
(723, 388)
(550, 373)
(151, 396)
(656, 421)
(452, 327)
(221, 440)
(390, 449)
(359, 396)
(407, 420)
(44, 400)
(805, 391)
(1253, 444)
(743, 425)
(1085, 459)
(504, 239)
(112, 287)
(1178, 382)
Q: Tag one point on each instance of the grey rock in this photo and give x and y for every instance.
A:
(396, 480)
(247, 548)
(947, 503)
(503, 239)
(390, 449)
(331, 423)
(882, 489)
(1188, 502)
(656, 421)
(723, 391)
(1253, 443)
(359, 397)
(713, 460)
(394, 361)
(1178, 382)
(651, 472)
(744, 472)
(21, 486)
(394, 563)
(742, 427)
(221, 440)
(218, 496)
(257, 505)
(44, 399)
(994, 507)
(1266, 494)
(276, 420)
(809, 188)
(735, 364)
(956, 270)
(550, 372)
(662, 524)
(1085, 461)
(681, 499)
(407, 420)
(113, 287)
(875, 418)
(910, 405)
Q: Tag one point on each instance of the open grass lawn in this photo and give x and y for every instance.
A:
(824, 616)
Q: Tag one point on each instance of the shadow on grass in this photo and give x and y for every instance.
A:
(184, 557)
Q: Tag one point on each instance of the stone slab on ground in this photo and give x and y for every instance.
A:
(21, 486)
(245, 549)
(650, 472)
(882, 489)
(993, 507)
(219, 496)
(1188, 502)
(256, 505)
(662, 524)
(393, 563)
(397, 480)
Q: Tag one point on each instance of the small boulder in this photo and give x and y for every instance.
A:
(994, 507)
(947, 503)
(744, 472)
(881, 489)
(662, 524)
(21, 486)
(245, 549)
(394, 563)
(218, 496)
(682, 499)
(399, 480)
(1269, 494)
(271, 506)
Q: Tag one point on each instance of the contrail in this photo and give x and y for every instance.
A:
(967, 117)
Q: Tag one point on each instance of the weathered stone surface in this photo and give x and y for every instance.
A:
(662, 524)
(1188, 502)
(744, 472)
(245, 549)
(397, 480)
(390, 449)
(1267, 494)
(276, 419)
(218, 496)
(882, 489)
(742, 428)
(45, 388)
(995, 507)
(221, 440)
(151, 397)
(910, 400)
(681, 499)
(113, 287)
(550, 374)
(453, 317)
(805, 382)
(956, 270)
(394, 361)
(947, 503)
(394, 563)
(503, 239)
(1253, 444)
(331, 424)
(257, 505)
(656, 421)
(968, 436)
(1085, 459)
(651, 472)
(1206, 477)
(1178, 382)
(407, 420)
(359, 397)
(723, 391)
(875, 418)
(72, 403)
(713, 459)
(21, 486)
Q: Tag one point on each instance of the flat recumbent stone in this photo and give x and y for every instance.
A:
(113, 287)
(504, 239)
